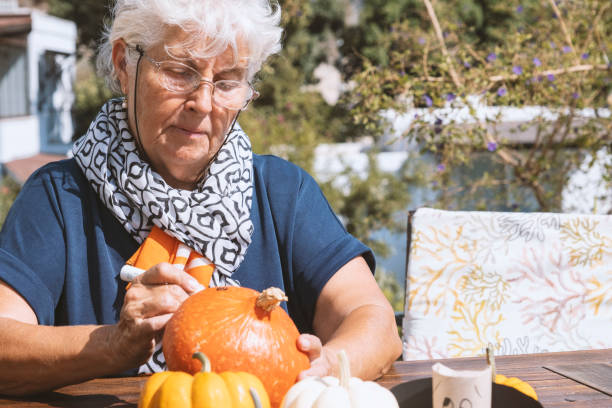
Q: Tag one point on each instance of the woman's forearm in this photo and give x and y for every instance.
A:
(369, 337)
(39, 358)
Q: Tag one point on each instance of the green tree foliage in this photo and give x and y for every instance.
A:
(552, 55)
(89, 16)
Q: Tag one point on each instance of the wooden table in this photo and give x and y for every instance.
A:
(553, 389)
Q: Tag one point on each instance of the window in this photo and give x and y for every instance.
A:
(13, 81)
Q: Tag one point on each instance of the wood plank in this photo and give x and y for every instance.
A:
(594, 375)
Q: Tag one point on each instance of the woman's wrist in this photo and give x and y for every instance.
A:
(108, 348)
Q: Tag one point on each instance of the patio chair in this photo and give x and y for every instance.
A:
(520, 282)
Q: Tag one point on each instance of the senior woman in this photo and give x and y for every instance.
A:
(171, 155)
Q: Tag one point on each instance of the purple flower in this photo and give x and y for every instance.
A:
(441, 167)
(466, 64)
(421, 40)
(575, 95)
(517, 69)
(491, 57)
(450, 97)
(491, 146)
(585, 55)
(519, 9)
(550, 77)
(537, 62)
(427, 100)
(501, 91)
(566, 49)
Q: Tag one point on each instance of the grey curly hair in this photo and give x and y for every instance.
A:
(220, 22)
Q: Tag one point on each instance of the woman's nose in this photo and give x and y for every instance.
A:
(201, 99)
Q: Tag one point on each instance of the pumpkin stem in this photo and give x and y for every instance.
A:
(491, 361)
(204, 360)
(270, 298)
(255, 397)
(345, 369)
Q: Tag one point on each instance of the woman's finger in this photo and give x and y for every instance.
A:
(311, 345)
(157, 323)
(147, 301)
(317, 369)
(164, 273)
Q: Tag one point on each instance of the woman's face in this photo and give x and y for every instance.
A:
(180, 133)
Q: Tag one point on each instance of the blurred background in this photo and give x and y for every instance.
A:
(389, 104)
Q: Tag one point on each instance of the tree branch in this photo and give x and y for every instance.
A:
(575, 68)
(436, 24)
(566, 33)
(425, 54)
(595, 23)
(513, 77)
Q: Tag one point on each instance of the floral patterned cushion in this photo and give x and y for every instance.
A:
(522, 282)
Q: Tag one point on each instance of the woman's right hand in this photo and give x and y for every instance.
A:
(149, 303)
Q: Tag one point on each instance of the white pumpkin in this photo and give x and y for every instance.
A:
(331, 392)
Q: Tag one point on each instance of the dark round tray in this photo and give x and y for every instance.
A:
(417, 394)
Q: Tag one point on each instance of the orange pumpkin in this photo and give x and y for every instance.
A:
(239, 329)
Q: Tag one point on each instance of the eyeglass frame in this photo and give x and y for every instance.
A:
(157, 65)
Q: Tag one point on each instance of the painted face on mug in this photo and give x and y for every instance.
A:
(181, 132)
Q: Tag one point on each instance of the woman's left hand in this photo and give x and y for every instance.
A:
(322, 359)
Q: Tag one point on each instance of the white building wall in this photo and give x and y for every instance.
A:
(19, 138)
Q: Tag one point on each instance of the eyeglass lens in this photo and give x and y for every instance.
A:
(180, 78)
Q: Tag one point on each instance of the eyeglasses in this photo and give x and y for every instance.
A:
(179, 78)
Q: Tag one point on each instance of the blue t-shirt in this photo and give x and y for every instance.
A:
(62, 249)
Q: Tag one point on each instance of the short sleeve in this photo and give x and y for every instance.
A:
(320, 245)
(32, 247)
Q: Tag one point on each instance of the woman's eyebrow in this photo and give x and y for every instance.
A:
(234, 71)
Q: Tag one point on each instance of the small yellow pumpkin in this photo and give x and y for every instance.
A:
(516, 383)
(177, 389)
(347, 391)
(513, 382)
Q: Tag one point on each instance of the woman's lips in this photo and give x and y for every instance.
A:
(190, 132)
